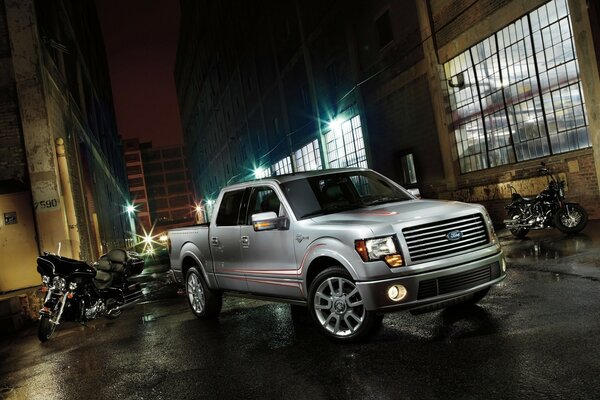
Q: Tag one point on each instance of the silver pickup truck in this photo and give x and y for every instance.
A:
(348, 243)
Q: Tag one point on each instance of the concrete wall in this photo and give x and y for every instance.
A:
(18, 248)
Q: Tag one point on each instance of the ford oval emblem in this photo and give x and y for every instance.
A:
(453, 236)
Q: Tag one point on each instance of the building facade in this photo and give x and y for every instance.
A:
(62, 175)
(160, 185)
(460, 99)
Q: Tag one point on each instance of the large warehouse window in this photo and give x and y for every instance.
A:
(283, 166)
(345, 144)
(308, 157)
(517, 95)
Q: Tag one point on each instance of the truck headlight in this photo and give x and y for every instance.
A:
(376, 249)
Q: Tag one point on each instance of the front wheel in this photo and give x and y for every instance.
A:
(204, 302)
(571, 219)
(45, 329)
(337, 307)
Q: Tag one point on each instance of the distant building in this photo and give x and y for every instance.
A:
(62, 176)
(160, 186)
(458, 99)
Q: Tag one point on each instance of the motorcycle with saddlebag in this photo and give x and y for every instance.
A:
(546, 210)
(78, 291)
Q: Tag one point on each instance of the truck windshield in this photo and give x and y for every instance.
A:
(326, 194)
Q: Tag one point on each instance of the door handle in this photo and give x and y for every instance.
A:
(245, 241)
(214, 241)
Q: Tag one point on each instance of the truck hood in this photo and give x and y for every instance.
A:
(405, 213)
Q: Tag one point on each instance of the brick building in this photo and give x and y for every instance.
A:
(62, 175)
(458, 98)
(160, 185)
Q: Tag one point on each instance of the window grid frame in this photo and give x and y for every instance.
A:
(560, 140)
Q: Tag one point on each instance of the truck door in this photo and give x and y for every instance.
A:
(224, 241)
(269, 256)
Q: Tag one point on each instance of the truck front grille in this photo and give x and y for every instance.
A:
(457, 282)
(433, 240)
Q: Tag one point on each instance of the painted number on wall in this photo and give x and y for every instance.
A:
(45, 204)
(45, 196)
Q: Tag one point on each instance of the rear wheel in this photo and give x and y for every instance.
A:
(45, 329)
(204, 302)
(517, 232)
(337, 307)
(571, 219)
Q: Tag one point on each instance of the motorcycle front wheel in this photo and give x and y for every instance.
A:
(571, 219)
(517, 232)
(45, 329)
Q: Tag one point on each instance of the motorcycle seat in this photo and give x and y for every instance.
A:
(102, 276)
(117, 258)
(104, 265)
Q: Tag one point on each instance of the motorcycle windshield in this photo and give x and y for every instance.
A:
(51, 264)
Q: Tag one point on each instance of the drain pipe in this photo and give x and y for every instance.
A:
(65, 182)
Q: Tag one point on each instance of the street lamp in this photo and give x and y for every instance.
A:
(130, 210)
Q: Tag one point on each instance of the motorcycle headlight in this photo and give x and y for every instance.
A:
(384, 248)
(59, 283)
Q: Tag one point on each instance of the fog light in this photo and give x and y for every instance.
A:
(397, 292)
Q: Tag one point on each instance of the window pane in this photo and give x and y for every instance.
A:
(229, 209)
(345, 145)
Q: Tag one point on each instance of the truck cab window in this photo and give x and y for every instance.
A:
(263, 199)
(230, 208)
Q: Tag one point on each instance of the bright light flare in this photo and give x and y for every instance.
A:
(335, 124)
(130, 208)
(150, 241)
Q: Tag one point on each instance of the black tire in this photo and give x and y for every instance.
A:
(45, 329)
(204, 302)
(333, 295)
(517, 232)
(571, 219)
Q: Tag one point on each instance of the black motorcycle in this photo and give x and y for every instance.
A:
(546, 210)
(78, 291)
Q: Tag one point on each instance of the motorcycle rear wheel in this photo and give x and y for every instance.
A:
(45, 329)
(517, 232)
(571, 219)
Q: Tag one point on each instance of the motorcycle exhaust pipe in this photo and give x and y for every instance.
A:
(130, 300)
(512, 224)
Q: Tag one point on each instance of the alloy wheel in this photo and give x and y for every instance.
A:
(338, 306)
(195, 293)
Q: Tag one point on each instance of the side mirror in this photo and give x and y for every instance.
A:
(415, 192)
(268, 221)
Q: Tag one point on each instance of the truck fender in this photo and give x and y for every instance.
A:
(190, 250)
(330, 248)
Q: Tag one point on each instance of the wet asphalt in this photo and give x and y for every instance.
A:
(535, 336)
